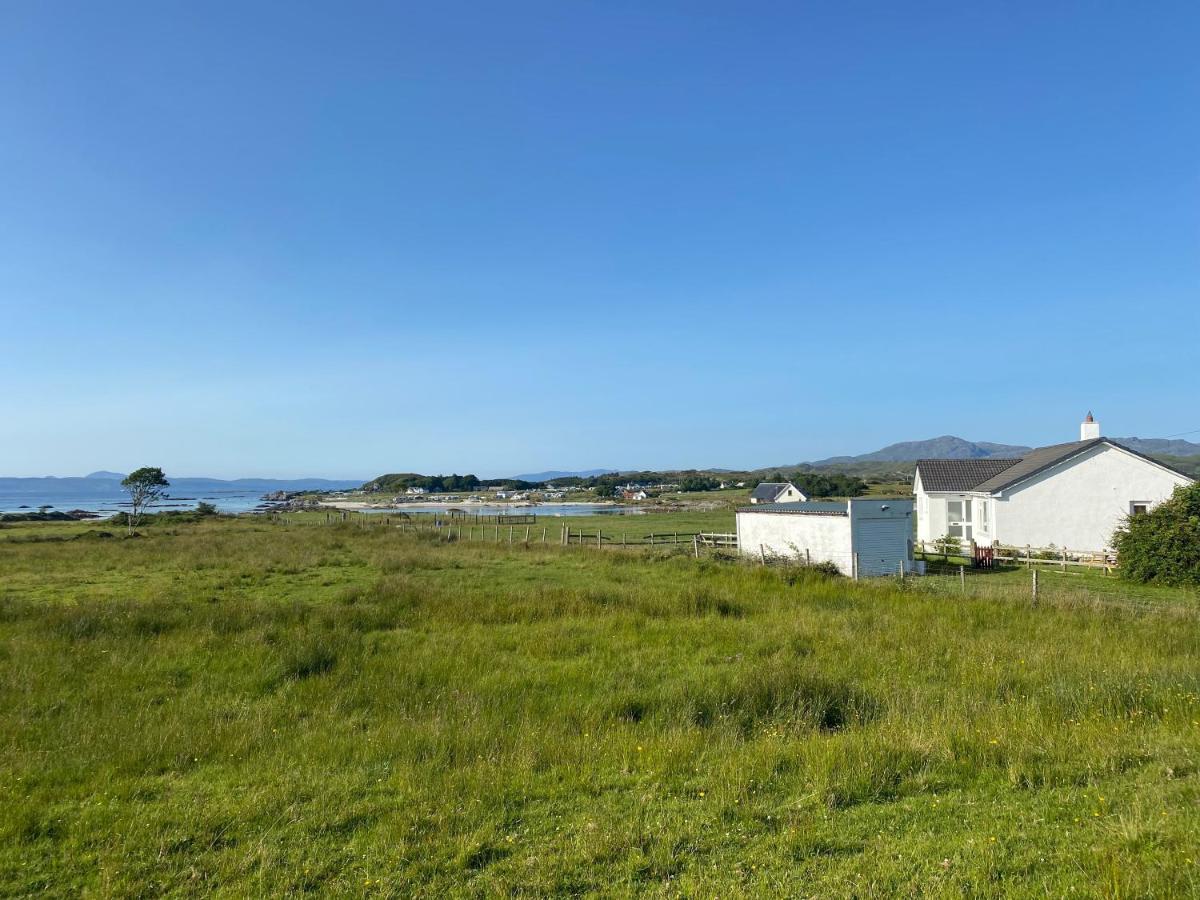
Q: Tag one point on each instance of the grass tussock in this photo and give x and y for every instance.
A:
(238, 708)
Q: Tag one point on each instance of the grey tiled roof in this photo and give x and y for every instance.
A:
(1034, 461)
(991, 475)
(960, 474)
(768, 490)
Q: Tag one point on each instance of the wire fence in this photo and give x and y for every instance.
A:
(947, 575)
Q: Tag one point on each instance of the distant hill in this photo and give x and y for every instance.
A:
(551, 475)
(1160, 446)
(897, 460)
(109, 476)
(945, 447)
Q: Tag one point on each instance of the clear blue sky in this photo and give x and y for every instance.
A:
(347, 238)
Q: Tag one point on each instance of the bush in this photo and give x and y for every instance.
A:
(1163, 545)
(948, 545)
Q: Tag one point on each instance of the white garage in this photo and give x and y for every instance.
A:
(862, 537)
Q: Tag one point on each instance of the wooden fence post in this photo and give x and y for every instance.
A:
(696, 545)
(762, 553)
(962, 578)
(599, 539)
(854, 564)
(1035, 587)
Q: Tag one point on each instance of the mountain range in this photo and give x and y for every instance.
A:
(950, 447)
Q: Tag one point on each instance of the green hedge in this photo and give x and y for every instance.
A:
(1163, 545)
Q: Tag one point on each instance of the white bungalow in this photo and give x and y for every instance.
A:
(1072, 495)
(777, 492)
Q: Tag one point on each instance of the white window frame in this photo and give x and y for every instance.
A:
(960, 527)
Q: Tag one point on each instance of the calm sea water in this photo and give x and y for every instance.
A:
(107, 504)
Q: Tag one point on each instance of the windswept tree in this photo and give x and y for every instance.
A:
(145, 486)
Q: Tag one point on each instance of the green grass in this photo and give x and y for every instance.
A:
(240, 708)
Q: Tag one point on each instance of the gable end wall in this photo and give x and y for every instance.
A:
(1079, 504)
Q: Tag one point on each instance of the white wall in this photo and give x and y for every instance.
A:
(1081, 503)
(931, 515)
(826, 538)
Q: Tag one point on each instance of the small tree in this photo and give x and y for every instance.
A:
(145, 486)
(1163, 545)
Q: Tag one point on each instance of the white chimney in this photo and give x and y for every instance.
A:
(1090, 429)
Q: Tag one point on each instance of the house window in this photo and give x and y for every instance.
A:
(958, 518)
(983, 514)
(1139, 507)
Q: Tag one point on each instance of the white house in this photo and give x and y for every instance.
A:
(414, 491)
(777, 492)
(1072, 495)
(860, 536)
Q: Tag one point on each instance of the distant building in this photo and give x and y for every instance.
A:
(777, 492)
(862, 537)
(637, 494)
(1072, 495)
(415, 491)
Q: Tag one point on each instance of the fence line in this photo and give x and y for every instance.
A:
(982, 555)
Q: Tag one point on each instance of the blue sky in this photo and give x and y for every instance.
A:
(342, 239)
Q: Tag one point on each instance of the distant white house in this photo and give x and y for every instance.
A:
(1072, 495)
(414, 491)
(777, 492)
(862, 537)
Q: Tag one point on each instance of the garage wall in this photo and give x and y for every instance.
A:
(825, 537)
(882, 534)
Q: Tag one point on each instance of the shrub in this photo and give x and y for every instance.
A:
(1163, 545)
(948, 545)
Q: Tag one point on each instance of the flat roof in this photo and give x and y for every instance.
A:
(806, 508)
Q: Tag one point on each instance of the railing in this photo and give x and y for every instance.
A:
(987, 555)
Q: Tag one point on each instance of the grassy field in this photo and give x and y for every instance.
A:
(242, 708)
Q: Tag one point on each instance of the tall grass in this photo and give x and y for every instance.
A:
(246, 709)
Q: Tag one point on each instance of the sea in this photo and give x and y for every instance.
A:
(106, 504)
